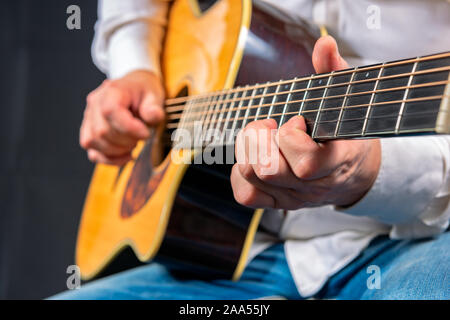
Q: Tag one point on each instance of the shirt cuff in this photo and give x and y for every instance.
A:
(410, 176)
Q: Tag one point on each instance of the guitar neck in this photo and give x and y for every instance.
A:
(409, 96)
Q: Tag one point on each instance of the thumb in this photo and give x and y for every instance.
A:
(151, 109)
(326, 57)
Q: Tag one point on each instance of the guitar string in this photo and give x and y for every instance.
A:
(313, 123)
(174, 125)
(172, 101)
(312, 111)
(217, 142)
(218, 110)
(188, 120)
(174, 109)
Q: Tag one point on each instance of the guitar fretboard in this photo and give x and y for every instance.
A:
(399, 97)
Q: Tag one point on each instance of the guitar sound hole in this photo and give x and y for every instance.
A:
(144, 180)
(206, 4)
(142, 183)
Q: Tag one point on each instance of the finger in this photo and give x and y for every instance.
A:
(281, 183)
(111, 134)
(307, 159)
(96, 156)
(123, 121)
(283, 198)
(263, 154)
(247, 148)
(326, 57)
(98, 142)
(115, 106)
(151, 110)
(85, 133)
(247, 194)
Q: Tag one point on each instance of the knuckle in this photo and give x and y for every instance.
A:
(253, 126)
(246, 171)
(119, 94)
(85, 140)
(107, 110)
(304, 169)
(91, 157)
(102, 132)
(90, 98)
(84, 143)
(246, 197)
(106, 83)
(284, 132)
(266, 178)
(263, 175)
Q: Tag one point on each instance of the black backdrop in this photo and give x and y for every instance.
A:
(45, 73)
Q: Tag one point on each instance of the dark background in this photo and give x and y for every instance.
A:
(46, 72)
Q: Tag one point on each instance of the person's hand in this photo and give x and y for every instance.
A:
(307, 174)
(118, 114)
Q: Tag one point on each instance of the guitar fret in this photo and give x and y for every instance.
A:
(302, 105)
(314, 131)
(369, 108)
(207, 110)
(230, 107)
(337, 104)
(184, 116)
(283, 116)
(205, 107)
(225, 112)
(405, 96)
(219, 124)
(244, 122)
(274, 99)
(339, 120)
(213, 123)
(187, 122)
(244, 94)
(207, 117)
(190, 122)
(258, 110)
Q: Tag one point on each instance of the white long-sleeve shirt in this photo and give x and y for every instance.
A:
(410, 197)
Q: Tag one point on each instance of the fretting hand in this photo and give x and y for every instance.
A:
(308, 174)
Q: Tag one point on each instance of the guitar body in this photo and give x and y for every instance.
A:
(187, 213)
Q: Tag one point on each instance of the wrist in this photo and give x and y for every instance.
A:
(142, 75)
(365, 173)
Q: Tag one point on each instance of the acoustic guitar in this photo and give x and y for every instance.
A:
(222, 63)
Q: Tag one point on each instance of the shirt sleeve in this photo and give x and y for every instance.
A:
(128, 36)
(412, 190)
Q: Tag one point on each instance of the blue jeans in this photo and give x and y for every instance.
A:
(416, 269)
